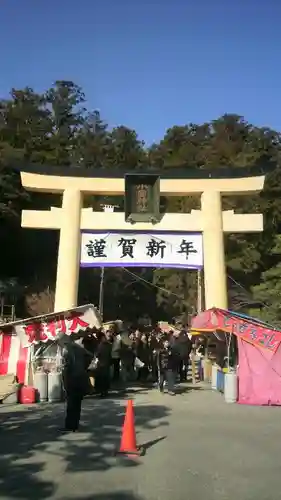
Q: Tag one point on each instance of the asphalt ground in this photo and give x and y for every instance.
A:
(196, 447)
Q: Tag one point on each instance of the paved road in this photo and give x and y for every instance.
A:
(197, 446)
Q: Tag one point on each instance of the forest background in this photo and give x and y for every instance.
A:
(56, 128)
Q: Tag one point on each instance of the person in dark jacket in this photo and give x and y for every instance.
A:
(143, 352)
(116, 355)
(153, 345)
(167, 361)
(127, 356)
(102, 374)
(200, 352)
(75, 362)
(184, 346)
(90, 340)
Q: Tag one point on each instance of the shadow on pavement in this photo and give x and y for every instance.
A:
(128, 392)
(33, 450)
(120, 495)
(186, 389)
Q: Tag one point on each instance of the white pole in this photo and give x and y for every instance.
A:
(199, 291)
(106, 208)
(101, 295)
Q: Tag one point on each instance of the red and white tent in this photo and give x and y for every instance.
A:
(18, 337)
(14, 358)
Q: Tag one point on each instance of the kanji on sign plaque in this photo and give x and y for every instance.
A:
(96, 248)
(36, 332)
(55, 327)
(186, 247)
(156, 247)
(127, 247)
(76, 323)
(142, 197)
(61, 326)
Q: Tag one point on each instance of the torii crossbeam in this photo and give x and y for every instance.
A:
(71, 218)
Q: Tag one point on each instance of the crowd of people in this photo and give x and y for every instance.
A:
(145, 356)
(110, 357)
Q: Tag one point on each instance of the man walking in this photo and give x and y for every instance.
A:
(167, 362)
(184, 346)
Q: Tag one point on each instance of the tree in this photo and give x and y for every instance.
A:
(177, 291)
(268, 292)
(40, 303)
(125, 149)
(225, 142)
(24, 128)
(55, 128)
(92, 142)
(65, 99)
(26, 125)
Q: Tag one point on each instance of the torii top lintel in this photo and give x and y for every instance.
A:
(173, 181)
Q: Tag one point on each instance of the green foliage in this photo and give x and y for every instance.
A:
(268, 292)
(55, 128)
(67, 116)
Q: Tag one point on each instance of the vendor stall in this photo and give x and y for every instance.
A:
(14, 358)
(30, 352)
(259, 354)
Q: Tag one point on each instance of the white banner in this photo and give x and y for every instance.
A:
(44, 328)
(182, 250)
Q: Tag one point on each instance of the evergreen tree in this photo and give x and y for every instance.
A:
(55, 128)
(268, 292)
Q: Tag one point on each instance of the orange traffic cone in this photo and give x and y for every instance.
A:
(128, 445)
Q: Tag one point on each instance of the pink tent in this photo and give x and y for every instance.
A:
(259, 354)
(259, 375)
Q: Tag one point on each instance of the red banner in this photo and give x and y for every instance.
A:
(247, 329)
(252, 332)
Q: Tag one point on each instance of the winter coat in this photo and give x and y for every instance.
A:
(167, 359)
(103, 354)
(75, 361)
(116, 347)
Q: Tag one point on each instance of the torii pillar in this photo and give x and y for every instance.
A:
(215, 276)
(70, 219)
(69, 251)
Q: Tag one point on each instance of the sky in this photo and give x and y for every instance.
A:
(149, 64)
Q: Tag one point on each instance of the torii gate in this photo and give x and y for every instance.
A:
(71, 218)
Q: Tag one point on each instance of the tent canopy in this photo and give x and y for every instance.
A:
(249, 329)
